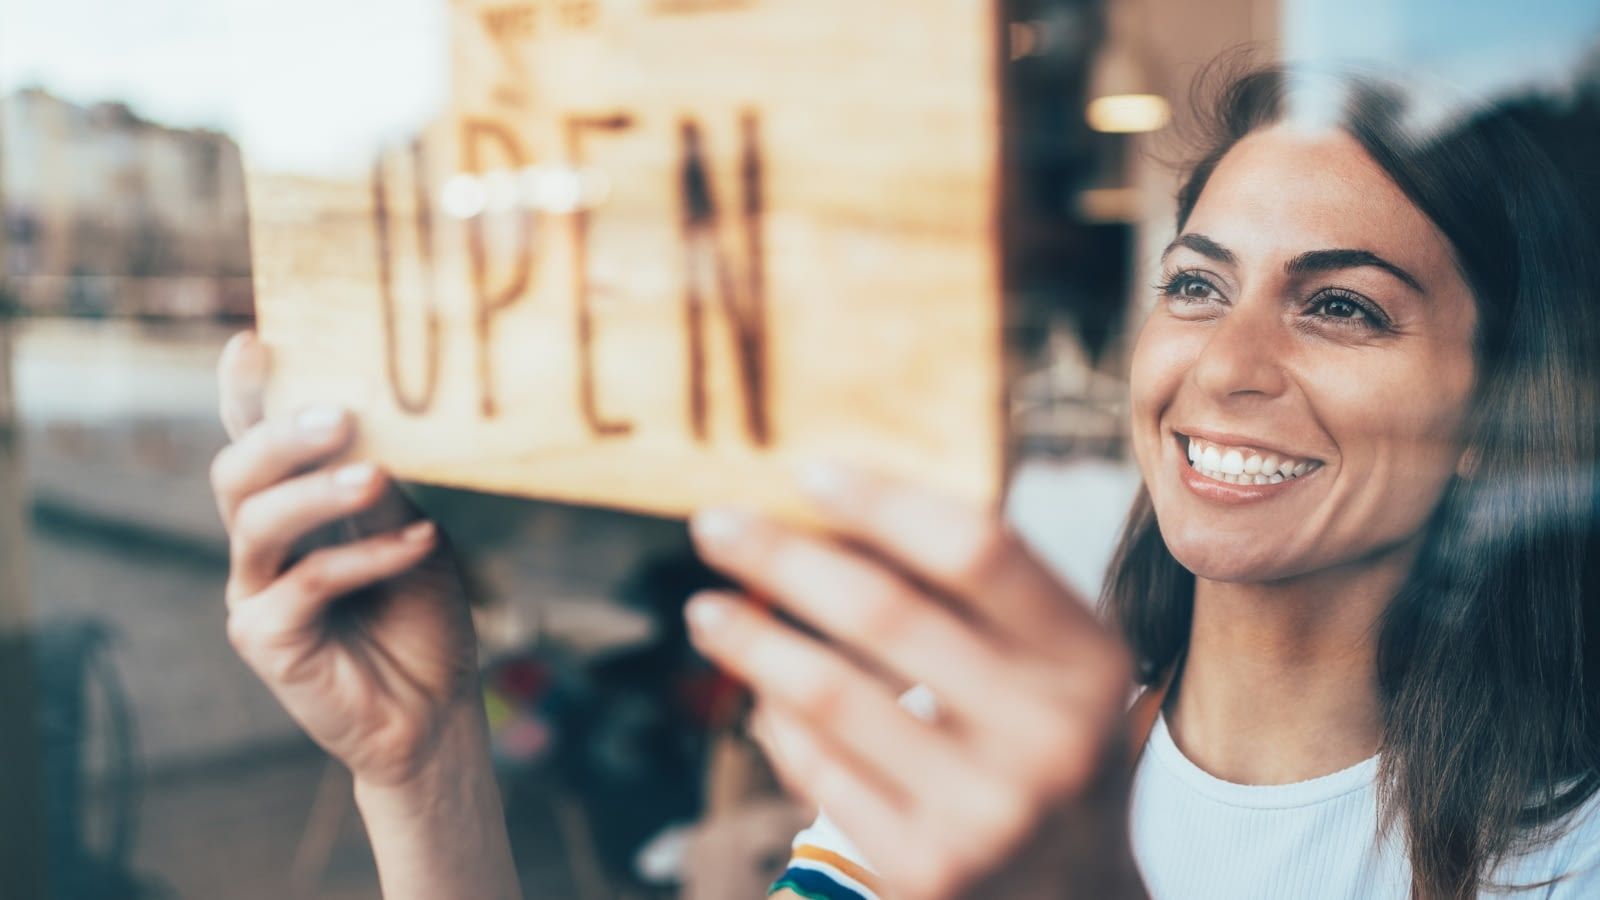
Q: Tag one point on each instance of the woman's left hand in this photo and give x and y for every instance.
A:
(1017, 787)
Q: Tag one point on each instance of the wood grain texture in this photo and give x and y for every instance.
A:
(787, 250)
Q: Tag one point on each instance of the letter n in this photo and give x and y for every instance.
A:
(710, 272)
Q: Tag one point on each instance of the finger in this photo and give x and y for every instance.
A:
(849, 598)
(392, 510)
(758, 726)
(987, 693)
(297, 602)
(270, 523)
(809, 769)
(956, 547)
(272, 451)
(905, 861)
(242, 379)
(788, 670)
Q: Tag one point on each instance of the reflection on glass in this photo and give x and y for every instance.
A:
(126, 130)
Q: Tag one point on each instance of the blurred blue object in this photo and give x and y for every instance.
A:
(91, 804)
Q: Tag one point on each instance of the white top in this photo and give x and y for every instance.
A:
(1197, 837)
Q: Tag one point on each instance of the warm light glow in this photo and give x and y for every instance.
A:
(464, 196)
(1128, 113)
(501, 189)
(559, 190)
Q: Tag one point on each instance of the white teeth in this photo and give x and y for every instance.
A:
(1233, 462)
(1234, 467)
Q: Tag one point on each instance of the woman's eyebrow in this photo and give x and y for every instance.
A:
(1332, 260)
(1310, 261)
(1202, 245)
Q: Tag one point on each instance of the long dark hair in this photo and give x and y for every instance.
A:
(1488, 653)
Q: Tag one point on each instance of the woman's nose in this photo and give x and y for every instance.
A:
(1243, 356)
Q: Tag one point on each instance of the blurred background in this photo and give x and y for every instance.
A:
(161, 768)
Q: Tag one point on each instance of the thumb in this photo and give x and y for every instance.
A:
(242, 382)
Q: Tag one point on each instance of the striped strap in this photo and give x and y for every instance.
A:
(821, 874)
(814, 885)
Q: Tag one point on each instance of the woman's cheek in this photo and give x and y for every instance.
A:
(1399, 431)
(1162, 354)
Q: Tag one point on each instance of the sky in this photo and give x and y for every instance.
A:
(316, 84)
(303, 84)
(1450, 54)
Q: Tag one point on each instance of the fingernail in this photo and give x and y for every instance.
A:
(419, 532)
(828, 482)
(318, 422)
(252, 352)
(243, 350)
(355, 475)
(721, 527)
(707, 613)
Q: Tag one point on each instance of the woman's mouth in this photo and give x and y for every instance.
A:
(1245, 465)
(1240, 473)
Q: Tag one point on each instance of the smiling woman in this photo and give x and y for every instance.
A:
(1276, 336)
(1409, 319)
(1364, 410)
(1360, 580)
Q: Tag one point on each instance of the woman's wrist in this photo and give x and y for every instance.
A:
(441, 832)
(459, 749)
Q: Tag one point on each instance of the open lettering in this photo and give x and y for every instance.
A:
(713, 277)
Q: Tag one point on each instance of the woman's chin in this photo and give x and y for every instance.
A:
(1232, 562)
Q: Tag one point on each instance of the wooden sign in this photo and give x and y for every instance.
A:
(658, 252)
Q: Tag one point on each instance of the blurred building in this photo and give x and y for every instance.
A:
(107, 214)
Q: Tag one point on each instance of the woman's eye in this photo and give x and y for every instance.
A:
(1344, 310)
(1190, 288)
(1340, 308)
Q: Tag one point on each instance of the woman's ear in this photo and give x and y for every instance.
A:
(1467, 465)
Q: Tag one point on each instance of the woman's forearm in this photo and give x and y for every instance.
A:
(443, 833)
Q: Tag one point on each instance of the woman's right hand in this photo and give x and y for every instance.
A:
(367, 641)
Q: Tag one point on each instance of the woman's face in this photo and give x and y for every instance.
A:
(1311, 349)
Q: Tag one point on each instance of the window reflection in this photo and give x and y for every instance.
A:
(125, 262)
